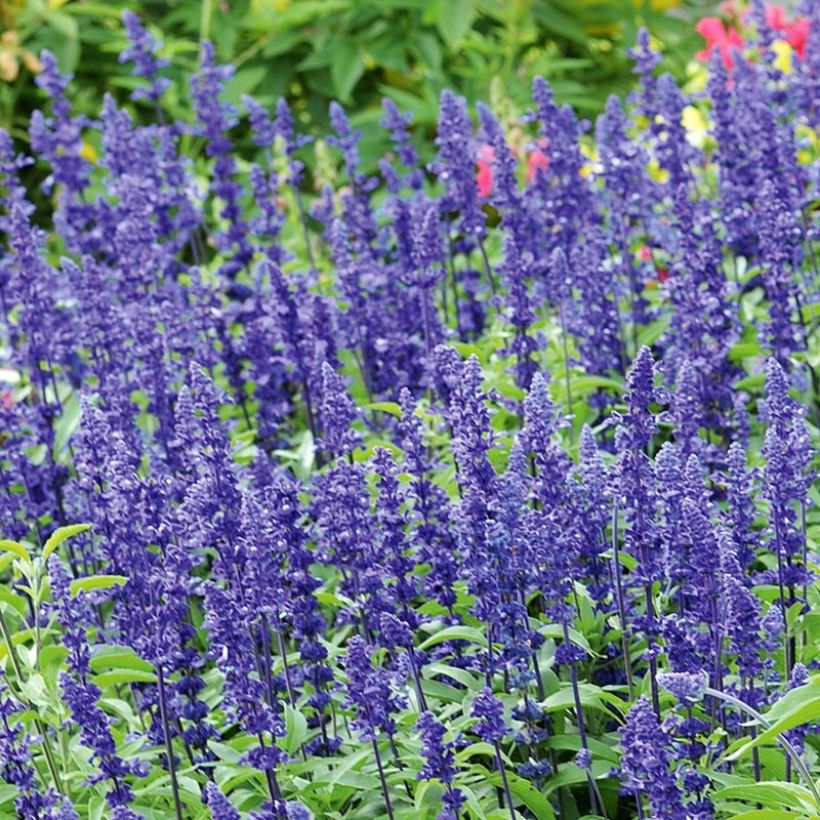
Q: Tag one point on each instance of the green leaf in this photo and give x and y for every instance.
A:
(533, 799)
(225, 752)
(18, 638)
(454, 20)
(34, 688)
(456, 633)
(557, 631)
(751, 383)
(471, 682)
(92, 582)
(584, 384)
(266, 15)
(771, 794)
(653, 331)
(346, 69)
(118, 657)
(7, 793)
(16, 547)
(570, 774)
(799, 706)
(481, 749)
(62, 22)
(67, 423)
(61, 534)
(744, 350)
(592, 696)
(244, 82)
(573, 743)
(794, 700)
(52, 656)
(117, 676)
(13, 600)
(296, 726)
(559, 23)
(439, 691)
(93, 9)
(391, 407)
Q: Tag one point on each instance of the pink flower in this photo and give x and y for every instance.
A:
(537, 161)
(795, 33)
(798, 36)
(484, 175)
(718, 36)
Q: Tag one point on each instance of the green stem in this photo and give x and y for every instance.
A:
(205, 20)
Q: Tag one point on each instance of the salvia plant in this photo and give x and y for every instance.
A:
(474, 489)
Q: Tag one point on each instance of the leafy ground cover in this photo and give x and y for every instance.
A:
(477, 488)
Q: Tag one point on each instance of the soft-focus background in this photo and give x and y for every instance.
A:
(355, 51)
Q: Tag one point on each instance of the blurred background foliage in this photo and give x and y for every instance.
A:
(356, 51)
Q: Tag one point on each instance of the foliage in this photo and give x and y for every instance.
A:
(314, 51)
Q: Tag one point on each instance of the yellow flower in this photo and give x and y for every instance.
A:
(783, 60)
(695, 124)
(697, 76)
(655, 171)
(590, 152)
(88, 152)
(809, 140)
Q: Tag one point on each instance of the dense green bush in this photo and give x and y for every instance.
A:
(355, 51)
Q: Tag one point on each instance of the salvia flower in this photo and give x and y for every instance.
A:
(687, 687)
(645, 768)
(455, 165)
(142, 52)
(439, 757)
(489, 710)
(370, 690)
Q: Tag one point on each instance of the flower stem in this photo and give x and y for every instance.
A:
(595, 798)
(619, 595)
(387, 804)
(166, 733)
(505, 783)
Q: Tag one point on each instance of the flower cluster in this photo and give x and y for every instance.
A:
(423, 474)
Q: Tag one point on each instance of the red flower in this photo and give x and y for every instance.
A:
(484, 175)
(718, 36)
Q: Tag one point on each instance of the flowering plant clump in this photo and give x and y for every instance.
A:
(479, 488)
